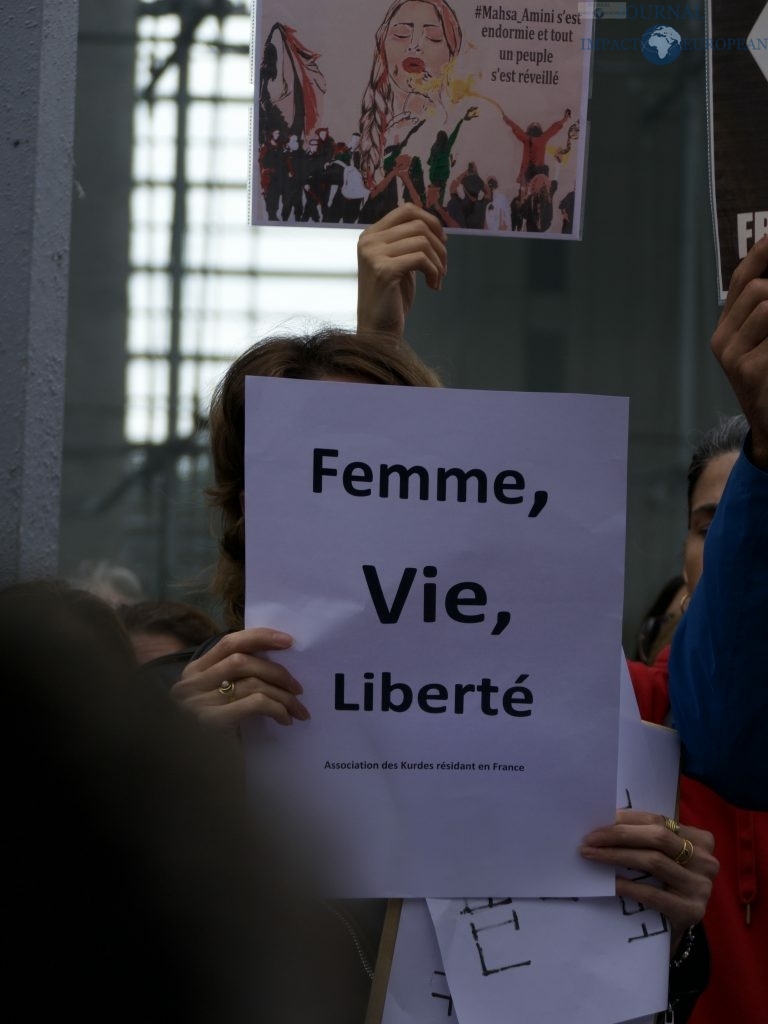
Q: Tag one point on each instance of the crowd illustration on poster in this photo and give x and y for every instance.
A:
(473, 112)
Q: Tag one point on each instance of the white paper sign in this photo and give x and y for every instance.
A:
(628, 707)
(475, 112)
(450, 564)
(418, 991)
(590, 961)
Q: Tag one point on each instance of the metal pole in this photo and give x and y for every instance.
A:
(693, 157)
(168, 560)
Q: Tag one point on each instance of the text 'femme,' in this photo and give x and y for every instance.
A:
(361, 480)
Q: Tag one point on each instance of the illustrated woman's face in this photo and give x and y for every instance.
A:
(415, 46)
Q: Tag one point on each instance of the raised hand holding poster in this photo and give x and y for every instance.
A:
(450, 566)
(476, 112)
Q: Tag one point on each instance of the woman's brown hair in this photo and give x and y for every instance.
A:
(361, 356)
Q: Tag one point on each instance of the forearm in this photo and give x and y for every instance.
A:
(455, 134)
(517, 131)
(553, 129)
(718, 667)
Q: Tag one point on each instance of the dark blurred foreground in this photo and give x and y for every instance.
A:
(139, 886)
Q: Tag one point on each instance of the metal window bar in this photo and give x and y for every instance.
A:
(174, 40)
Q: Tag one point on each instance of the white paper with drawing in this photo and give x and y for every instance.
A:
(417, 992)
(588, 961)
(476, 112)
(451, 566)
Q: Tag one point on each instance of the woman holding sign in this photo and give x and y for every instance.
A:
(234, 678)
(716, 676)
(408, 241)
(736, 920)
(718, 679)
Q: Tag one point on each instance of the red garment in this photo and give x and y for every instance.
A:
(534, 146)
(737, 916)
(269, 160)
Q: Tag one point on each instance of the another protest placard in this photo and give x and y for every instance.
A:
(450, 564)
(589, 961)
(419, 992)
(738, 140)
(476, 112)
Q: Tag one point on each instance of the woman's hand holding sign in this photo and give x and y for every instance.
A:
(740, 344)
(389, 255)
(233, 681)
(678, 856)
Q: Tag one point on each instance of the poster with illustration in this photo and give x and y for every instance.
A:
(475, 112)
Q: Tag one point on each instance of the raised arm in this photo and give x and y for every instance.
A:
(390, 253)
(517, 131)
(471, 113)
(719, 664)
(555, 128)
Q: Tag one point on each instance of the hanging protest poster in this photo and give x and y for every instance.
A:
(450, 565)
(737, 65)
(476, 112)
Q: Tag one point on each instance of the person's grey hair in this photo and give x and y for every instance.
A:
(114, 584)
(727, 436)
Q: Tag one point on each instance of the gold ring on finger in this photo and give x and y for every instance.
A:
(685, 854)
(672, 825)
(227, 689)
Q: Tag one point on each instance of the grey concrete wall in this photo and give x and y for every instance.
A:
(37, 86)
(94, 449)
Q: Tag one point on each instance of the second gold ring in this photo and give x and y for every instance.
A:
(685, 854)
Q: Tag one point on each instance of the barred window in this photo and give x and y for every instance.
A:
(203, 283)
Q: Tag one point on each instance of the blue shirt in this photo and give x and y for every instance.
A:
(718, 670)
